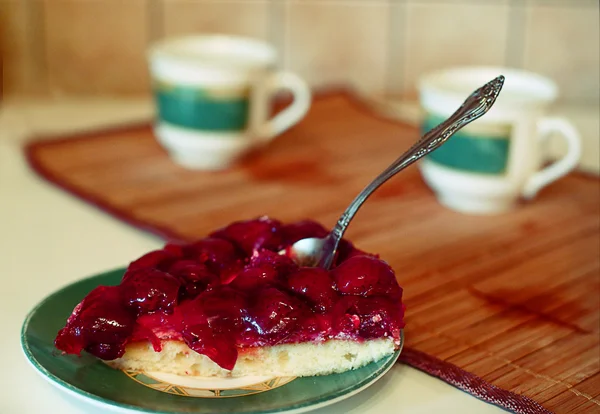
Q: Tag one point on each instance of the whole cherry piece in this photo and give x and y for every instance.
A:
(316, 285)
(251, 235)
(366, 276)
(274, 315)
(100, 324)
(225, 309)
(253, 277)
(150, 290)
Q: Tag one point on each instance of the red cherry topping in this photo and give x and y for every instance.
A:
(233, 289)
(195, 277)
(218, 347)
(100, 324)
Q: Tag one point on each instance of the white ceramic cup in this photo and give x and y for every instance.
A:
(213, 97)
(496, 160)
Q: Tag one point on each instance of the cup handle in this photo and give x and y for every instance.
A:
(294, 112)
(561, 167)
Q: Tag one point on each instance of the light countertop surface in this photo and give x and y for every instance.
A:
(50, 239)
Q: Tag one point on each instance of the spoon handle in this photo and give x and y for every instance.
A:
(477, 104)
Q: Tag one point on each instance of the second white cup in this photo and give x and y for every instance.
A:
(487, 166)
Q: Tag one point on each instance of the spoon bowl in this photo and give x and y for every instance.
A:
(306, 252)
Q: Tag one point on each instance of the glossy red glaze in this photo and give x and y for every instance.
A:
(233, 290)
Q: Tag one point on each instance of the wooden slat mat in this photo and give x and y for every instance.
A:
(512, 299)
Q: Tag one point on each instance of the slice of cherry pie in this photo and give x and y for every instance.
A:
(230, 305)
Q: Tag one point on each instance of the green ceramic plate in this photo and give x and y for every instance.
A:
(87, 378)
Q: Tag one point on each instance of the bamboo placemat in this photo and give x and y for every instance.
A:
(508, 302)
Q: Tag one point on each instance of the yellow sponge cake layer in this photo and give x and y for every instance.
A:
(301, 359)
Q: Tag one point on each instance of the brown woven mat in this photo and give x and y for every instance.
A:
(494, 304)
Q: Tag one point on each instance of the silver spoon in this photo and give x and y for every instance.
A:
(322, 251)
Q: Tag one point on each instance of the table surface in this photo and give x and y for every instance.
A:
(50, 239)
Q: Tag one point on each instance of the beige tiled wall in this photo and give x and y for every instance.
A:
(97, 46)
(450, 33)
(562, 42)
(244, 18)
(21, 60)
(335, 42)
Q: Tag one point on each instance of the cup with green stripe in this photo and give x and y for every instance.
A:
(213, 96)
(498, 160)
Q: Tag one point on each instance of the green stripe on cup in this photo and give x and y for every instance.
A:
(477, 153)
(202, 110)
